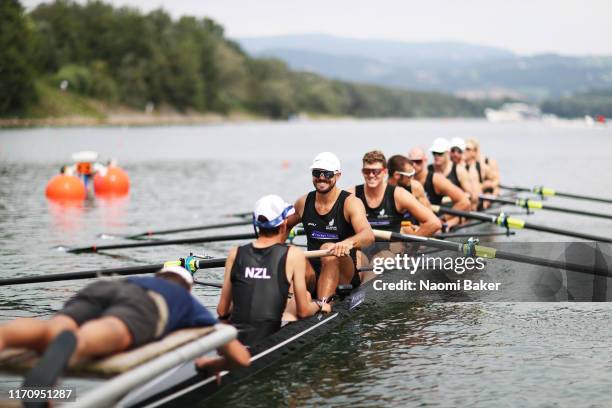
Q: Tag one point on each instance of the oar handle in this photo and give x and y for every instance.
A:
(317, 254)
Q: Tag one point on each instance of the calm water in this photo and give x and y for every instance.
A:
(433, 354)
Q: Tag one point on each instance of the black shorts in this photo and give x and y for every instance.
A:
(118, 298)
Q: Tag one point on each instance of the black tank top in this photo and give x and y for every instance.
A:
(259, 290)
(452, 176)
(430, 190)
(467, 167)
(384, 217)
(330, 227)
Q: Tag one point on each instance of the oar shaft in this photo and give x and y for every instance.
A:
(130, 270)
(188, 229)
(551, 192)
(565, 232)
(537, 205)
(518, 223)
(216, 238)
(220, 262)
(490, 253)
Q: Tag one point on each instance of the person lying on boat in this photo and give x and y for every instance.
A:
(335, 220)
(437, 186)
(266, 282)
(386, 206)
(113, 315)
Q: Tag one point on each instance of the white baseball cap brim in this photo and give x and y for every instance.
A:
(440, 145)
(326, 161)
(274, 209)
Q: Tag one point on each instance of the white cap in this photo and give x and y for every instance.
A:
(457, 142)
(326, 161)
(274, 208)
(180, 271)
(440, 145)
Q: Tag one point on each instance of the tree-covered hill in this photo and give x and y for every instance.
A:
(123, 57)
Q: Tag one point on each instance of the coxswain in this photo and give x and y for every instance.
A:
(437, 186)
(335, 220)
(265, 282)
(113, 315)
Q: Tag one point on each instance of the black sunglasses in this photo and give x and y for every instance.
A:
(367, 172)
(328, 174)
(417, 161)
(438, 153)
(456, 150)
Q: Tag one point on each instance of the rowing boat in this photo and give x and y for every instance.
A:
(184, 386)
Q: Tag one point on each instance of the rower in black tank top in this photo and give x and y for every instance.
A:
(430, 190)
(467, 167)
(330, 227)
(259, 290)
(384, 217)
(452, 176)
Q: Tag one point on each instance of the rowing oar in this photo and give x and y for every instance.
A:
(474, 250)
(549, 192)
(193, 264)
(177, 230)
(212, 238)
(538, 205)
(130, 270)
(510, 222)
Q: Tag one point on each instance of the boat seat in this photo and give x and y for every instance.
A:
(20, 360)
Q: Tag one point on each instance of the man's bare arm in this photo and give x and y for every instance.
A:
(429, 223)
(224, 307)
(304, 305)
(419, 193)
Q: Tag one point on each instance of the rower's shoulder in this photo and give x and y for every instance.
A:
(352, 202)
(295, 254)
(417, 186)
(301, 201)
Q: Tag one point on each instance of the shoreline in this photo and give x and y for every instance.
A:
(130, 119)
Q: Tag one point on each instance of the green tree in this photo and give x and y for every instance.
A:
(17, 89)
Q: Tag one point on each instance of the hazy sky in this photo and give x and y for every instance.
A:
(524, 26)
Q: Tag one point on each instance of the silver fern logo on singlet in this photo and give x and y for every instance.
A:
(381, 214)
(256, 273)
(331, 226)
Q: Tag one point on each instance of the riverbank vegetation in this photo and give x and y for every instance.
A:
(65, 58)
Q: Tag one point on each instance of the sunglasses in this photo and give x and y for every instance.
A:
(417, 161)
(456, 150)
(438, 153)
(327, 174)
(406, 174)
(367, 172)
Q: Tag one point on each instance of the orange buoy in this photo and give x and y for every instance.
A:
(64, 187)
(114, 182)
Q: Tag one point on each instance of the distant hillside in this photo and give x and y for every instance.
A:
(463, 69)
(68, 58)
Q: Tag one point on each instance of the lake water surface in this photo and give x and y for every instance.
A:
(478, 354)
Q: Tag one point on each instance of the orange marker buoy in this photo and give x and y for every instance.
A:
(64, 187)
(115, 182)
